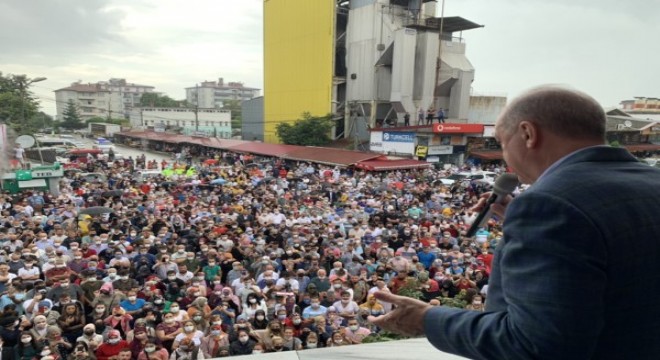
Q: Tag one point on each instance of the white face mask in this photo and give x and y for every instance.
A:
(189, 328)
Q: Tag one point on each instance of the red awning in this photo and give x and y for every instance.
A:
(275, 150)
(386, 165)
(329, 156)
(487, 155)
(642, 147)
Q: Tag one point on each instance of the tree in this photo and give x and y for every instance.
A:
(157, 100)
(17, 103)
(236, 108)
(71, 117)
(308, 131)
(98, 119)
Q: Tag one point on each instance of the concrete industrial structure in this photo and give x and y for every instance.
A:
(367, 62)
(208, 122)
(108, 99)
(253, 119)
(213, 94)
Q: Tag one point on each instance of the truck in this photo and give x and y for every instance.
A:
(103, 129)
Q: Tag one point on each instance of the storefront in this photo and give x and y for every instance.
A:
(437, 143)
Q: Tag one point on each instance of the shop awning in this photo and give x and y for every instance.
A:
(275, 150)
(34, 183)
(642, 147)
(487, 155)
(328, 156)
(387, 165)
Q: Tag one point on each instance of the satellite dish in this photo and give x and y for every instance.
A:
(26, 141)
(627, 123)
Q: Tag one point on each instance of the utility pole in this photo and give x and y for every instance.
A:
(197, 108)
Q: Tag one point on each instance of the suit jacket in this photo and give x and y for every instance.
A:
(576, 274)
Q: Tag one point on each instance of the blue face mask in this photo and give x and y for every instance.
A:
(19, 296)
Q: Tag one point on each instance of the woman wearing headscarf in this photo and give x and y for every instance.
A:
(119, 320)
(56, 343)
(200, 312)
(90, 337)
(139, 341)
(215, 342)
(140, 324)
(259, 322)
(111, 347)
(153, 351)
(108, 297)
(39, 329)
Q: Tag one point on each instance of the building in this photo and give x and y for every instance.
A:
(367, 62)
(212, 94)
(207, 122)
(108, 99)
(485, 109)
(253, 119)
(641, 105)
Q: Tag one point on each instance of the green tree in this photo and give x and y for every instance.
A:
(17, 104)
(236, 108)
(157, 100)
(71, 117)
(307, 131)
(98, 119)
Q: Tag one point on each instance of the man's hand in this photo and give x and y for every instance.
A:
(406, 319)
(498, 208)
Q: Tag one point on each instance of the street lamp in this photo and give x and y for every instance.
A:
(24, 93)
(23, 89)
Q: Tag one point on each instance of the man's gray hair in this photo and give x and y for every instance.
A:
(563, 111)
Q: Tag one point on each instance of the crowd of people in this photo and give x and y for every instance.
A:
(279, 256)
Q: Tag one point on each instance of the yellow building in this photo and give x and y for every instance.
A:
(299, 40)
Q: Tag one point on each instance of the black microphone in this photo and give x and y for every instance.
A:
(504, 185)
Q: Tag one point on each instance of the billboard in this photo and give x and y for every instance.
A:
(392, 142)
(444, 128)
(403, 137)
(298, 61)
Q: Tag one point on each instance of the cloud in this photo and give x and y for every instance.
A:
(49, 29)
(604, 48)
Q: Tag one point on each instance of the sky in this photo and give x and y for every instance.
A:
(606, 48)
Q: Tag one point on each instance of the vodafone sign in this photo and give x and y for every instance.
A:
(458, 128)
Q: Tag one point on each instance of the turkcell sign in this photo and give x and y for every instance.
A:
(402, 137)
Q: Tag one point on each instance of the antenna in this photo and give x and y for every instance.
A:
(26, 141)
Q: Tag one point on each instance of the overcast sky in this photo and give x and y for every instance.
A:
(607, 48)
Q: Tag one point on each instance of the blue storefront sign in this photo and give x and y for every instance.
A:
(403, 137)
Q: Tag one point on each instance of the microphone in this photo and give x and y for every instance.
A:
(504, 185)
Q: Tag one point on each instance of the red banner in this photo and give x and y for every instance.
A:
(458, 128)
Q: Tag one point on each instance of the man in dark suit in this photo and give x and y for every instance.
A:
(575, 276)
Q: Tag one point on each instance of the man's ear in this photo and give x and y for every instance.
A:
(529, 133)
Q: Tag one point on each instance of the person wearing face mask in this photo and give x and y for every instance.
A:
(90, 337)
(314, 309)
(243, 345)
(187, 350)
(354, 333)
(39, 329)
(28, 348)
(107, 296)
(213, 344)
(132, 304)
(312, 341)
(259, 322)
(153, 351)
(111, 347)
(119, 320)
